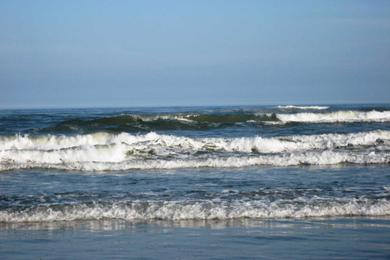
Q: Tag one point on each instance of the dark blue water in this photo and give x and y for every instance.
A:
(196, 182)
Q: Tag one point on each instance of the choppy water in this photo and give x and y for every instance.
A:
(218, 164)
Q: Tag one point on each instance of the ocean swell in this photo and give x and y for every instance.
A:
(194, 121)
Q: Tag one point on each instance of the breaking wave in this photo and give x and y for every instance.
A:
(199, 210)
(336, 117)
(107, 151)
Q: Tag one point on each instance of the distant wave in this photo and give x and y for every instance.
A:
(200, 210)
(133, 123)
(145, 123)
(106, 152)
(303, 107)
(336, 117)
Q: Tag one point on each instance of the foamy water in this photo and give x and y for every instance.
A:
(104, 151)
(286, 162)
(201, 210)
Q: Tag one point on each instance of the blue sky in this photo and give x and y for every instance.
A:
(161, 53)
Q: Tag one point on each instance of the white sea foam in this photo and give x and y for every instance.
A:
(303, 107)
(95, 161)
(103, 151)
(335, 117)
(180, 143)
(200, 210)
(183, 118)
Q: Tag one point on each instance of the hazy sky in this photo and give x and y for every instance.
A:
(130, 53)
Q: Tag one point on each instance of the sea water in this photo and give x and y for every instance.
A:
(196, 182)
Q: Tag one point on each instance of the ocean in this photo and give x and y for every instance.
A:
(196, 182)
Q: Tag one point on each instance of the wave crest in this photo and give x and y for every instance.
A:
(336, 117)
(199, 210)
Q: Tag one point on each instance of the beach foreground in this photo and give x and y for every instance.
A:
(347, 238)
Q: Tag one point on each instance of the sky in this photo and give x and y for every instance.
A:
(178, 53)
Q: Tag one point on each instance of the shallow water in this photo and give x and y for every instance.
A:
(294, 192)
(347, 238)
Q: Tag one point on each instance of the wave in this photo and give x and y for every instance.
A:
(105, 151)
(199, 210)
(103, 162)
(181, 143)
(138, 123)
(336, 117)
(131, 123)
(288, 107)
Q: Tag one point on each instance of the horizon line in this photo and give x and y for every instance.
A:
(172, 106)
